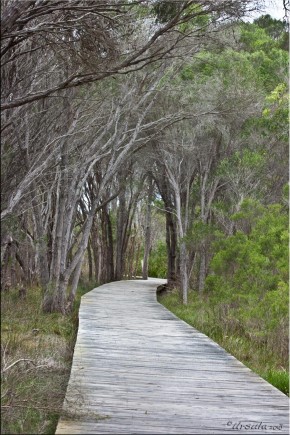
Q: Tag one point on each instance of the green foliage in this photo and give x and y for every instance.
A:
(227, 65)
(158, 261)
(192, 16)
(255, 38)
(200, 231)
(243, 170)
(276, 29)
(258, 257)
(278, 378)
(269, 60)
(250, 272)
(199, 19)
(270, 67)
(241, 161)
(275, 116)
(166, 10)
(261, 62)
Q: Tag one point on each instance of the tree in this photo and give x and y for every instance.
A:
(71, 140)
(147, 225)
(274, 28)
(250, 271)
(69, 33)
(177, 156)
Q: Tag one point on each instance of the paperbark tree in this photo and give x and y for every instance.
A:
(114, 142)
(70, 32)
(147, 229)
(132, 179)
(168, 199)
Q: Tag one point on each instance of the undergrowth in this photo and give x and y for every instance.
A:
(219, 323)
(36, 356)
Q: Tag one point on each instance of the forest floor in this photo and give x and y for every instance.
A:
(36, 356)
(253, 353)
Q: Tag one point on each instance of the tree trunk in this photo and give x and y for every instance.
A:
(147, 244)
(202, 269)
(121, 223)
(183, 272)
(171, 244)
(41, 246)
(54, 298)
(74, 286)
(110, 249)
(130, 256)
(137, 259)
(95, 251)
(90, 261)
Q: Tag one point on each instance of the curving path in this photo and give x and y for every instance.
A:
(138, 369)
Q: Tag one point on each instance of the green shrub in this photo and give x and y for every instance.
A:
(158, 261)
(280, 380)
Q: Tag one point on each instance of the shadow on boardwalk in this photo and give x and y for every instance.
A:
(138, 369)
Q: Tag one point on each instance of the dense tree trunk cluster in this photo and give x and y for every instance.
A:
(108, 108)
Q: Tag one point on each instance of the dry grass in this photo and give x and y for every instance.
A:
(36, 354)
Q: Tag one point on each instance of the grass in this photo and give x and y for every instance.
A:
(280, 379)
(219, 322)
(36, 356)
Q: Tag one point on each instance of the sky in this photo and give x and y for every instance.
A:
(273, 8)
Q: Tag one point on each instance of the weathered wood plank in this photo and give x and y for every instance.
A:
(138, 369)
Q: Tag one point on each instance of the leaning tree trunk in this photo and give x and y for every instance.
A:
(74, 285)
(41, 246)
(90, 261)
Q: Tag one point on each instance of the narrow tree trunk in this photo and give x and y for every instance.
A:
(182, 248)
(137, 260)
(130, 256)
(104, 249)
(5, 243)
(110, 249)
(74, 286)
(41, 246)
(183, 272)
(90, 261)
(95, 250)
(171, 244)
(120, 237)
(202, 266)
(147, 244)
(202, 269)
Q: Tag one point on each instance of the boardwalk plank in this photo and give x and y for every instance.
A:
(138, 369)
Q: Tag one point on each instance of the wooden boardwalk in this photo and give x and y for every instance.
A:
(138, 369)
